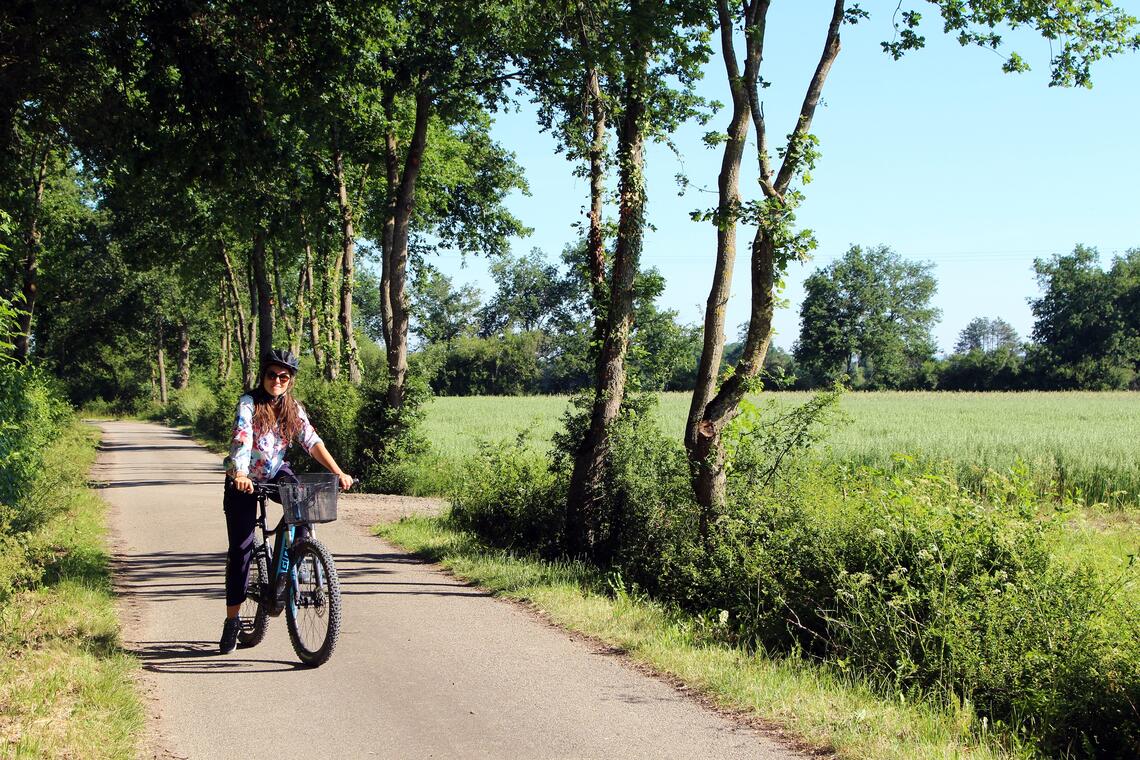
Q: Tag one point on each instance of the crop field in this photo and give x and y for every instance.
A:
(1083, 444)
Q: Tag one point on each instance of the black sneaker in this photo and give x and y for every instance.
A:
(230, 629)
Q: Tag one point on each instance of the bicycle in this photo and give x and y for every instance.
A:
(300, 578)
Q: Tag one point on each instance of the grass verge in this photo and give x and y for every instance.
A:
(821, 706)
(66, 687)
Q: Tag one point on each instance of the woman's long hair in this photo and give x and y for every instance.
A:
(279, 413)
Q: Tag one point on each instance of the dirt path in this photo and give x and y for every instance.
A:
(425, 667)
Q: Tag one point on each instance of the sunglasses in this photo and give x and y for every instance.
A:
(283, 377)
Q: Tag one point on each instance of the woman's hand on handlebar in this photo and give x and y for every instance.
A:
(346, 481)
(243, 484)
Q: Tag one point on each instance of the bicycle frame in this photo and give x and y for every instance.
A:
(280, 563)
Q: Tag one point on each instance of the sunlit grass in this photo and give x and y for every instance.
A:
(1083, 444)
(66, 688)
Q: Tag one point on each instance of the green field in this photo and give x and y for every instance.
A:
(1084, 444)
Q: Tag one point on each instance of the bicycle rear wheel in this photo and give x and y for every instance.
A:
(252, 615)
(313, 610)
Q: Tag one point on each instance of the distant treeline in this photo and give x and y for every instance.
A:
(866, 317)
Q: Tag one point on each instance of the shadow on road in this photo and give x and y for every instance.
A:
(363, 574)
(201, 657)
(165, 576)
(112, 446)
(102, 484)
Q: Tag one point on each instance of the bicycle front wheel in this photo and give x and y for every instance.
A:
(313, 610)
(253, 616)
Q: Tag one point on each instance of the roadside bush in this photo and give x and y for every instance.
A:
(192, 405)
(904, 579)
(32, 413)
(207, 408)
(511, 498)
(390, 440)
(332, 407)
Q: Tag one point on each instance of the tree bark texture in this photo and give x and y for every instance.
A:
(331, 303)
(704, 439)
(728, 207)
(388, 239)
(584, 521)
(32, 241)
(225, 348)
(162, 392)
(183, 355)
(309, 291)
(264, 296)
(253, 323)
(595, 240)
(397, 348)
(245, 352)
(348, 255)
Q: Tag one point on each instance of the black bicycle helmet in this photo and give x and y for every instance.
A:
(283, 357)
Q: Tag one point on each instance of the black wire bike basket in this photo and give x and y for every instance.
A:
(311, 500)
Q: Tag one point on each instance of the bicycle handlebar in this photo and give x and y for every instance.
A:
(271, 489)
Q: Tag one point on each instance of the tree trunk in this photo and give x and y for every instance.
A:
(162, 394)
(264, 296)
(707, 453)
(706, 450)
(282, 303)
(330, 295)
(253, 324)
(583, 519)
(314, 320)
(183, 355)
(387, 243)
(296, 338)
(348, 255)
(244, 344)
(595, 240)
(397, 348)
(728, 209)
(225, 349)
(32, 240)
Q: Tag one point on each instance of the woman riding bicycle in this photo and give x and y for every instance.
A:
(268, 420)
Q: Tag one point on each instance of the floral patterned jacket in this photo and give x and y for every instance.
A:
(259, 455)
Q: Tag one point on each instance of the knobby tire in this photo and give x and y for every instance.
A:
(313, 611)
(253, 615)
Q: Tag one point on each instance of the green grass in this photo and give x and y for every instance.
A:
(811, 701)
(66, 687)
(1080, 443)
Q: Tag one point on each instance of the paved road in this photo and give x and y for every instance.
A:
(426, 667)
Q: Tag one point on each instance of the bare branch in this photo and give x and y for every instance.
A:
(811, 99)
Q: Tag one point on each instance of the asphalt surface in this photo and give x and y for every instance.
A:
(426, 666)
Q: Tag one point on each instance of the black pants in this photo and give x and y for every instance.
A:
(241, 522)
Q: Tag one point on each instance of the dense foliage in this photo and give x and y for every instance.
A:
(906, 580)
(32, 414)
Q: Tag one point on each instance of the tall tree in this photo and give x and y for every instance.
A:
(442, 312)
(528, 294)
(868, 315)
(1090, 30)
(654, 47)
(1085, 320)
(986, 335)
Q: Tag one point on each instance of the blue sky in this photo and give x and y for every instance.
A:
(940, 156)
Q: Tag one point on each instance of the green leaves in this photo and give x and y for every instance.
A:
(1082, 32)
(868, 315)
